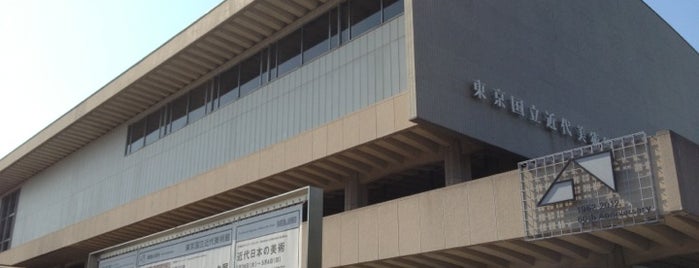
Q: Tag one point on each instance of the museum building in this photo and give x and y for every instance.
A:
(443, 133)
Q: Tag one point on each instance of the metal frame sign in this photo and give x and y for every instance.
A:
(260, 235)
(600, 186)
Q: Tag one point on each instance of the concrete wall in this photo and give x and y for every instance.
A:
(373, 122)
(685, 156)
(613, 67)
(470, 213)
(99, 177)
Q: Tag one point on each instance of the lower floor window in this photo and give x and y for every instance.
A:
(8, 211)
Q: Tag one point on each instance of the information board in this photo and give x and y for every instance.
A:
(260, 235)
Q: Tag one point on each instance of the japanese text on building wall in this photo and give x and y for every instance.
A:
(547, 119)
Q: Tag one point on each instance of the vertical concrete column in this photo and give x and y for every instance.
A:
(355, 193)
(457, 166)
(615, 259)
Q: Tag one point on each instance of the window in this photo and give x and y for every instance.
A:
(178, 114)
(8, 211)
(228, 86)
(153, 127)
(289, 52)
(249, 74)
(211, 94)
(392, 8)
(316, 38)
(272, 62)
(334, 21)
(344, 22)
(197, 103)
(136, 136)
(364, 15)
(264, 66)
(329, 30)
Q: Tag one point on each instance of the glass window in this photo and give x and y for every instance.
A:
(289, 52)
(228, 86)
(331, 29)
(333, 21)
(316, 39)
(344, 22)
(197, 103)
(7, 219)
(264, 65)
(211, 94)
(178, 114)
(249, 74)
(164, 116)
(392, 8)
(272, 62)
(364, 15)
(136, 135)
(153, 127)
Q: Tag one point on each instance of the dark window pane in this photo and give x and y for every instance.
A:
(7, 221)
(211, 94)
(264, 65)
(364, 15)
(392, 8)
(136, 135)
(164, 117)
(228, 86)
(315, 38)
(178, 113)
(344, 23)
(14, 198)
(8, 228)
(289, 52)
(272, 62)
(153, 127)
(197, 103)
(5, 208)
(249, 74)
(333, 20)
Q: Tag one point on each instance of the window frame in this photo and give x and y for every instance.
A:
(8, 215)
(339, 26)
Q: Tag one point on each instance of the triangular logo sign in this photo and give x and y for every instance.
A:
(599, 166)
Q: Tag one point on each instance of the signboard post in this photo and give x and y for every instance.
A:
(595, 187)
(264, 234)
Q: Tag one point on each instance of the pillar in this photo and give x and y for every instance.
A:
(355, 193)
(457, 166)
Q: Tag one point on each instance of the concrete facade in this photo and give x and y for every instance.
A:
(101, 178)
(417, 171)
(552, 55)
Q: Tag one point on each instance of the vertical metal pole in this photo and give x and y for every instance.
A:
(314, 236)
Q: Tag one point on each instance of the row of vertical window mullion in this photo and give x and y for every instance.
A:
(266, 73)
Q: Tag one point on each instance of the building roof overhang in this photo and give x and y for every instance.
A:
(227, 34)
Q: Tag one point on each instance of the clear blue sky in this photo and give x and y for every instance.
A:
(56, 53)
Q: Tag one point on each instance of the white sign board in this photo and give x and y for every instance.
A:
(218, 258)
(260, 235)
(277, 250)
